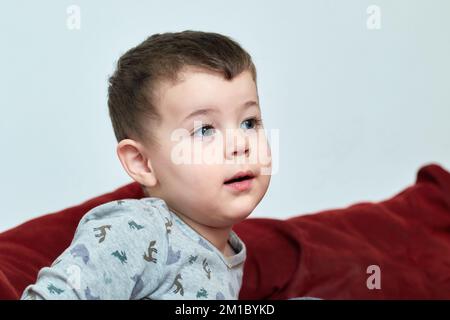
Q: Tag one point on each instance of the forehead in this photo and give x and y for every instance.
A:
(199, 89)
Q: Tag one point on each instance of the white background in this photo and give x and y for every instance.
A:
(359, 110)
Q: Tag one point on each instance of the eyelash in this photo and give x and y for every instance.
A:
(257, 124)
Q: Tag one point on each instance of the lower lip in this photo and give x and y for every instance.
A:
(240, 185)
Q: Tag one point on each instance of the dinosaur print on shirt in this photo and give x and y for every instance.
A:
(139, 249)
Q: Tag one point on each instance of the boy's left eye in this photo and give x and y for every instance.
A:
(251, 123)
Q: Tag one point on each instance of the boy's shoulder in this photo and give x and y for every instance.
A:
(149, 210)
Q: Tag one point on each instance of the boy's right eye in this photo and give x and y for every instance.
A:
(204, 131)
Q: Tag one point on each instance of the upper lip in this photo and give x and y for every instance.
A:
(241, 174)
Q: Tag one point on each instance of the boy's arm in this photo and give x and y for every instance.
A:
(106, 259)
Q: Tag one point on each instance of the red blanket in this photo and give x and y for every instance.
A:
(394, 249)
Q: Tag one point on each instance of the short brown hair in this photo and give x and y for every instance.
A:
(161, 57)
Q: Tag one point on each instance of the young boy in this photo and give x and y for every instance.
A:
(176, 101)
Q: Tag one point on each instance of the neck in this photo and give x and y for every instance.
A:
(217, 236)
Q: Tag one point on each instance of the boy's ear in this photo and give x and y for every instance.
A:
(132, 156)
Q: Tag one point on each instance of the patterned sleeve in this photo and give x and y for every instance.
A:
(116, 253)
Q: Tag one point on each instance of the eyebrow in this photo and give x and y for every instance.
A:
(205, 111)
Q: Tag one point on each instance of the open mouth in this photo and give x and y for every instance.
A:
(239, 177)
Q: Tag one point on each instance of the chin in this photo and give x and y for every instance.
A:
(240, 210)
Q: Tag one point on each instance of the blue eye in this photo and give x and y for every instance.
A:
(251, 123)
(204, 131)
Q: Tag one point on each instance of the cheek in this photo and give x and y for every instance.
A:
(262, 151)
(168, 171)
(178, 165)
(198, 177)
(265, 181)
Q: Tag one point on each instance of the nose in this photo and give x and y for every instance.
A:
(236, 144)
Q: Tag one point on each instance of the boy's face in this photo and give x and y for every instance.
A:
(188, 182)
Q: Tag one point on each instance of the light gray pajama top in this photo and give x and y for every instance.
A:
(139, 249)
